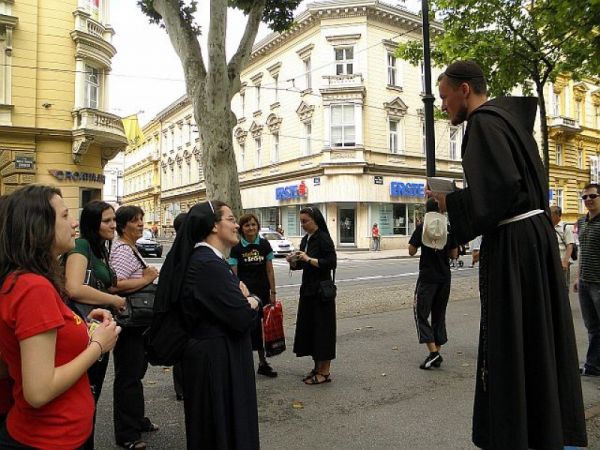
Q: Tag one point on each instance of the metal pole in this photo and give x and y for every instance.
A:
(428, 99)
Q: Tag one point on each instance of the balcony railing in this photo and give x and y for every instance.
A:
(343, 81)
(565, 124)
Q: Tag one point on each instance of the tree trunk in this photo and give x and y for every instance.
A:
(539, 86)
(218, 157)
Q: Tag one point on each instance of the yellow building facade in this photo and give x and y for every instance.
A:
(163, 173)
(55, 61)
(573, 110)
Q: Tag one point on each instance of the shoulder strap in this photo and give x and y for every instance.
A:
(139, 258)
(561, 237)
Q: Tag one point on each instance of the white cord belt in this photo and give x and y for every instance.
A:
(533, 212)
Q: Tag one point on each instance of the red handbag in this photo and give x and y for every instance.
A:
(273, 329)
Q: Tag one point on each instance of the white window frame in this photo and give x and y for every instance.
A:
(396, 137)
(343, 126)
(276, 82)
(243, 103)
(557, 197)
(392, 70)
(454, 143)
(558, 154)
(257, 88)
(423, 138)
(307, 72)
(307, 138)
(344, 66)
(275, 148)
(577, 111)
(93, 83)
(242, 157)
(258, 150)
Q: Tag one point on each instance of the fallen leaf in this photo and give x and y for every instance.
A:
(368, 326)
(297, 404)
(466, 365)
(394, 348)
(384, 374)
(358, 329)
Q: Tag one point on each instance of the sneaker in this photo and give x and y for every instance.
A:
(587, 372)
(438, 362)
(431, 360)
(266, 370)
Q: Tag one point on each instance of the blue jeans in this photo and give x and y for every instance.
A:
(589, 299)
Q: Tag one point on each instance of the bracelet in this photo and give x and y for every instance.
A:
(99, 345)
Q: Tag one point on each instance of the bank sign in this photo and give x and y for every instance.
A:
(291, 192)
(400, 189)
(67, 175)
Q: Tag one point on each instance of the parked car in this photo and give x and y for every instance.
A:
(281, 246)
(147, 245)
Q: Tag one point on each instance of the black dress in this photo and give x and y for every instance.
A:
(315, 324)
(528, 388)
(218, 370)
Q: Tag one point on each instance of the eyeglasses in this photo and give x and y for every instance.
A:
(591, 196)
(229, 219)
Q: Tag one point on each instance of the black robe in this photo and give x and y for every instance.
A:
(316, 322)
(528, 388)
(219, 388)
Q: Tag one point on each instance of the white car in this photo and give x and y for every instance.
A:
(281, 246)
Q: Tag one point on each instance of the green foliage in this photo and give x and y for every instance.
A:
(516, 40)
(278, 14)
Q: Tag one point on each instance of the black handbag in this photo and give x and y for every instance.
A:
(139, 305)
(327, 290)
(84, 309)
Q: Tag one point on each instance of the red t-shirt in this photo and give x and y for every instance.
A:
(33, 306)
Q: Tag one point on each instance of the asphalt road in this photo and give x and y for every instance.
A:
(379, 398)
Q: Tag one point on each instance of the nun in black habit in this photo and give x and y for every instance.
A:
(528, 387)
(217, 312)
(316, 322)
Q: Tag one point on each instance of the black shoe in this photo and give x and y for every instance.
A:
(438, 362)
(179, 397)
(587, 372)
(431, 360)
(266, 370)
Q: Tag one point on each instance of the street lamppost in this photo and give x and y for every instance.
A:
(428, 99)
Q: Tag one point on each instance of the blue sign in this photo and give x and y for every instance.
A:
(291, 192)
(399, 189)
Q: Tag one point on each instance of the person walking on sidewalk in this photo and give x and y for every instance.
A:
(433, 285)
(588, 279)
(376, 237)
(528, 388)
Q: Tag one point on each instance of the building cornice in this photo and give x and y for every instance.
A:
(315, 12)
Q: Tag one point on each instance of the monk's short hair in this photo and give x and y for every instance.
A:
(465, 72)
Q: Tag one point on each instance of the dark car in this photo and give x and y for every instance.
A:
(147, 245)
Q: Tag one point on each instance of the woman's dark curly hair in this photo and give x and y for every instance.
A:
(27, 235)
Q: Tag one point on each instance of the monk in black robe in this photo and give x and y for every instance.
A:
(528, 390)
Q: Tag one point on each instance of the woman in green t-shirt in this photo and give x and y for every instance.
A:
(97, 228)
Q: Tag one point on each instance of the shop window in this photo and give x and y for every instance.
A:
(343, 130)
(344, 61)
(397, 219)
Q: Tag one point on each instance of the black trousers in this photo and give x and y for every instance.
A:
(178, 379)
(96, 375)
(431, 299)
(128, 391)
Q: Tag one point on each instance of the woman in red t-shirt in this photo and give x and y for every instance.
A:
(45, 346)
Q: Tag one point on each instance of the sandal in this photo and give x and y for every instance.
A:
(149, 426)
(315, 379)
(310, 374)
(133, 445)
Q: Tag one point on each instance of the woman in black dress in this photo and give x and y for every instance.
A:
(219, 392)
(252, 261)
(316, 323)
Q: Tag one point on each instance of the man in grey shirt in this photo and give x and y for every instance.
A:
(564, 235)
(588, 280)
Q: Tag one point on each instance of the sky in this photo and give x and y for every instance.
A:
(146, 72)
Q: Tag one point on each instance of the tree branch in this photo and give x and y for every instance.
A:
(217, 32)
(237, 62)
(184, 41)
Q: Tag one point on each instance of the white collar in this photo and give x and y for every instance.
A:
(205, 244)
